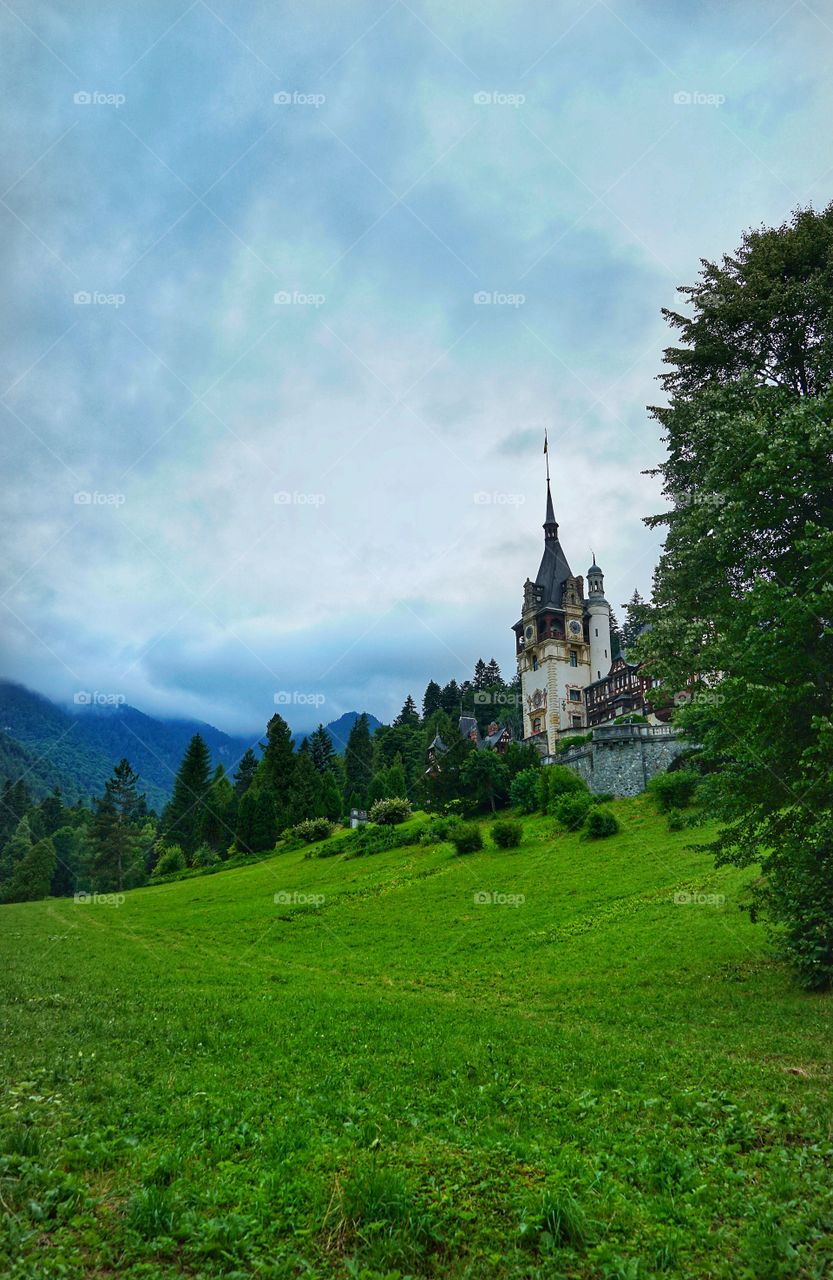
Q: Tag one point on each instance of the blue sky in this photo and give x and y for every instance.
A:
(285, 446)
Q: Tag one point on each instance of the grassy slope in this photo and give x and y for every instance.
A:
(210, 1083)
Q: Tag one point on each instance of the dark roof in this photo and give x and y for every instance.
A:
(492, 739)
(437, 744)
(554, 567)
(467, 726)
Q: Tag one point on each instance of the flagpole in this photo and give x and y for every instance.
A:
(547, 454)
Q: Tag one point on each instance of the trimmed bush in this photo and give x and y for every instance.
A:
(439, 829)
(507, 833)
(561, 781)
(601, 823)
(571, 810)
(674, 790)
(312, 829)
(170, 860)
(390, 812)
(467, 838)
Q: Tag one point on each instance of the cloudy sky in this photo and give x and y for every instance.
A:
(291, 292)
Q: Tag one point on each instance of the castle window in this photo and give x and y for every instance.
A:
(575, 695)
(576, 722)
(573, 658)
(536, 725)
(597, 632)
(534, 663)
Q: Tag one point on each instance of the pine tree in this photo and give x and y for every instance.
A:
(615, 636)
(15, 849)
(332, 801)
(358, 763)
(245, 772)
(305, 792)
(69, 848)
(52, 812)
(480, 676)
(183, 815)
(216, 827)
(493, 675)
(409, 713)
(113, 836)
(16, 801)
(257, 827)
(277, 766)
(321, 749)
(431, 699)
(451, 699)
(636, 614)
(396, 784)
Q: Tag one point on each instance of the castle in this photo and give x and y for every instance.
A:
(563, 646)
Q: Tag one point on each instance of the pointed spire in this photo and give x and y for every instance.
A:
(550, 523)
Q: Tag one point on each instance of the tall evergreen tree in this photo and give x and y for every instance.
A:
(321, 749)
(431, 699)
(409, 713)
(358, 763)
(305, 792)
(183, 815)
(636, 615)
(480, 676)
(493, 676)
(277, 766)
(451, 699)
(216, 826)
(257, 826)
(245, 772)
(332, 799)
(114, 833)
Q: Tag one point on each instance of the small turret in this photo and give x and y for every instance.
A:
(595, 582)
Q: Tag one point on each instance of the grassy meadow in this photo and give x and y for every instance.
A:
(379, 1074)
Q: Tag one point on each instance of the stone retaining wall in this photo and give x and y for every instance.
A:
(622, 759)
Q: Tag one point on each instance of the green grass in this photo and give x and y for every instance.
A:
(593, 1082)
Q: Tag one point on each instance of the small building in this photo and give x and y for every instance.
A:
(358, 817)
(623, 691)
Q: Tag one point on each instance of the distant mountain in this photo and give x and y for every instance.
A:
(75, 750)
(339, 730)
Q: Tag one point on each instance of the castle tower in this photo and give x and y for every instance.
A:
(598, 623)
(561, 640)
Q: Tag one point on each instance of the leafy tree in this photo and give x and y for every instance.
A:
(32, 875)
(114, 833)
(486, 778)
(321, 749)
(431, 699)
(358, 763)
(182, 817)
(409, 713)
(523, 790)
(245, 772)
(16, 848)
(741, 621)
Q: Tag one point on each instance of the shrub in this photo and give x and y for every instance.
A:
(171, 859)
(570, 810)
(311, 830)
(467, 838)
(674, 790)
(601, 822)
(574, 740)
(523, 790)
(390, 812)
(604, 797)
(507, 833)
(676, 820)
(562, 781)
(204, 857)
(439, 829)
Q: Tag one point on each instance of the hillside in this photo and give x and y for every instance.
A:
(76, 749)
(580, 1077)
